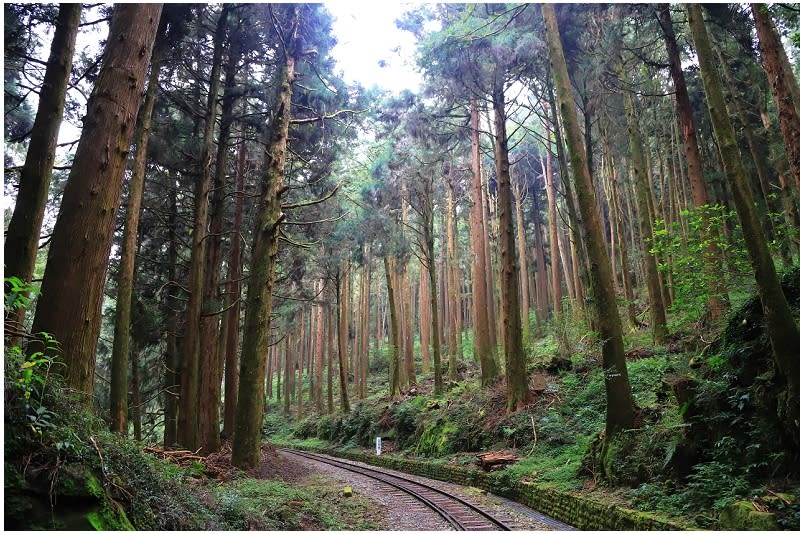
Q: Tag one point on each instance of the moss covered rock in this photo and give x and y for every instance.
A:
(742, 515)
(436, 439)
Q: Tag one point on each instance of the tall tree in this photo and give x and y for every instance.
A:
(718, 301)
(122, 318)
(188, 431)
(658, 316)
(480, 263)
(516, 373)
(781, 328)
(69, 307)
(781, 79)
(22, 234)
(252, 367)
(620, 407)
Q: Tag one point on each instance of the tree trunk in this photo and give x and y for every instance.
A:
(481, 344)
(781, 327)
(394, 344)
(70, 304)
(516, 374)
(211, 358)
(233, 302)
(408, 321)
(780, 81)
(118, 395)
(250, 402)
(541, 271)
(188, 415)
(301, 354)
(171, 376)
(279, 359)
(425, 321)
(290, 354)
(658, 315)
(22, 235)
(580, 275)
(319, 354)
(330, 348)
(341, 300)
(453, 286)
(365, 305)
(136, 392)
(523, 258)
(620, 407)
(552, 226)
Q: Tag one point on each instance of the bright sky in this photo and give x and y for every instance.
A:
(368, 38)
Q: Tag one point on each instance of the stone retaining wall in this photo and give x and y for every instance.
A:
(577, 510)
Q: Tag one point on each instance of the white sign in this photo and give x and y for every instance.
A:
(378, 446)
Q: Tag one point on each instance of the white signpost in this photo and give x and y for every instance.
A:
(378, 446)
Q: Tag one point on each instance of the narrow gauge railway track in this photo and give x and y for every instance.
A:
(461, 514)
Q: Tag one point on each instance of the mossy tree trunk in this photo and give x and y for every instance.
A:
(255, 336)
(781, 327)
(516, 374)
(620, 408)
(658, 316)
(480, 265)
(394, 344)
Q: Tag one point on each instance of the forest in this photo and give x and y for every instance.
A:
(578, 245)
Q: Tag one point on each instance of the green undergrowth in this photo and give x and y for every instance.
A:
(314, 504)
(705, 440)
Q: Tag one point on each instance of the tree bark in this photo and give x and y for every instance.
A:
(658, 315)
(188, 414)
(523, 258)
(250, 403)
(781, 327)
(22, 234)
(341, 300)
(541, 271)
(620, 407)
(516, 373)
(233, 301)
(453, 286)
(330, 346)
(365, 306)
(780, 81)
(171, 375)
(394, 344)
(212, 360)
(481, 344)
(552, 226)
(319, 354)
(69, 307)
(425, 321)
(118, 394)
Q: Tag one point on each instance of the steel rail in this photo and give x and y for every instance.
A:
(382, 477)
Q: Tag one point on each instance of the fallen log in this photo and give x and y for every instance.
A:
(496, 459)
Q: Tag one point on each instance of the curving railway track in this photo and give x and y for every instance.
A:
(459, 513)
